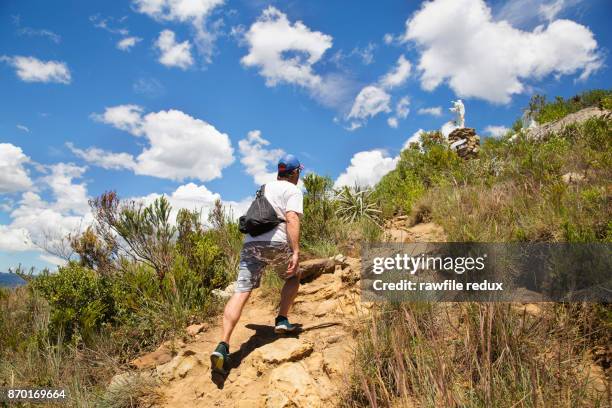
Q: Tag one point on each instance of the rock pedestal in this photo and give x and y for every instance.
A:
(465, 142)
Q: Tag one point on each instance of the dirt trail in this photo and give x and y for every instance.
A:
(305, 370)
(267, 370)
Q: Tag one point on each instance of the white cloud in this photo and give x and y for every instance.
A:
(193, 12)
(366, 53)
(284, 52)
(172, 53)
(483, 58)
(257, 159)
(124, 117)
(195, 197)
(148, 86)
(521, 12)
(14, 239)
(433, 111)
(398, 75)
(34, 32)
(23, 128)
(30, 69)
(103, 158)
(371, 101)
(447, 128)
(388, 39)
(402, 108)
(366, 169)
(13, 175)
(415, 138)
(127, 43)
(36, 222)
(401, 112)
(496, 131)
(179, 146)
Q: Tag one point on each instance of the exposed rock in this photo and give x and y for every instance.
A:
(572, 177)
(179, 367)
(312, 268)
(465, 142)
(281, 351)
(162, 355)
(295, 383)
(195, 329)
(541, 132)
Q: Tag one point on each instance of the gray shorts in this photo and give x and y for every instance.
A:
(254, 258)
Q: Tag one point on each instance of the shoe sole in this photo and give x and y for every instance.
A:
(216, 362)
(284, 330)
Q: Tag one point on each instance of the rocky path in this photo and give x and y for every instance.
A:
(310, 369)
(267, 370)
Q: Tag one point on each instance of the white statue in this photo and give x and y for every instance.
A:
(459, 110)
(528, 120)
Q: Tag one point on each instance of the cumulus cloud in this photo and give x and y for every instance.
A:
(195, 197)
(102, 158)
(433, 111)
(370, 101)
(127, 43)
(257, 158)
(179, 146)
(398, 75)
(173, 53)
(193, 12)
(402, 109)
(521, 12)
(375, 99)
(13, 174)
(366, 169)
(483, 58)
(285, 52)
(30, 69)
(124, 117)
(415, 138)
(496, 131)
(37, 222)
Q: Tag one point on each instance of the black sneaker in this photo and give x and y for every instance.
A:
(219, 357)
(282, 326)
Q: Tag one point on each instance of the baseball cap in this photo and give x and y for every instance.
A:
(288, 163)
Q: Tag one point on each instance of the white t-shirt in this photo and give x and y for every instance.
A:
(283, 196)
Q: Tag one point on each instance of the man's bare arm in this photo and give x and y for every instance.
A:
(293, 234)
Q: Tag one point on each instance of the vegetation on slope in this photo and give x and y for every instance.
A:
(497, 355)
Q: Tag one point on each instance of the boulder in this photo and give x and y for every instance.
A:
(572, 177)
(312, 268)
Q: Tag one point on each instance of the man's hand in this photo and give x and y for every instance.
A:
(293, 234)
(294, 265)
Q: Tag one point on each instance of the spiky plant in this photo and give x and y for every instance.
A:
(355, 203)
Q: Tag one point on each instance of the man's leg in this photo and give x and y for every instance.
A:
(288, 294)
(232, 312)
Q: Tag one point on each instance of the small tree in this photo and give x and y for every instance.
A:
(146, 230)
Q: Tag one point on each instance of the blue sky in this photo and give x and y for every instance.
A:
(196, 99)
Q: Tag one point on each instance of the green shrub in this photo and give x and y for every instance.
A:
(81, 300)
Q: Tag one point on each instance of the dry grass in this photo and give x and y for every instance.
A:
(473, 355)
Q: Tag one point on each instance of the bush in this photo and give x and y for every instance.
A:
(80, 299)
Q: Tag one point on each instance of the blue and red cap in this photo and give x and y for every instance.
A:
(288, 163)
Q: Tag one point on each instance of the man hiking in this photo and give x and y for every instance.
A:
(278, 247)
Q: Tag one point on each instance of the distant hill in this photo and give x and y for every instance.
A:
(10, 280)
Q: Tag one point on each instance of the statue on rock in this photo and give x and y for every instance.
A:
(459, 110)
